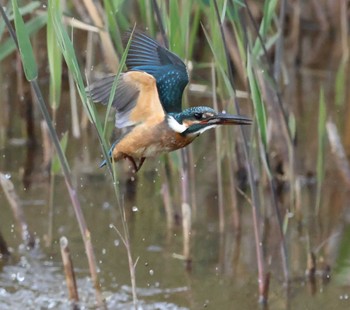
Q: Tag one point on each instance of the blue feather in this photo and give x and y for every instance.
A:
(104, 162)
(168, 69)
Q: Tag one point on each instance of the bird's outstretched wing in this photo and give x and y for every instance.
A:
(136, 98)
(170, 72)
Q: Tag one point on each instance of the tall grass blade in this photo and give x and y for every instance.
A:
(320, 170)
(112, 8)
(56, 165)
(268, 14)
(259, 108)
(55, 64)
(25, 48)
(115, 82)
(340, 83)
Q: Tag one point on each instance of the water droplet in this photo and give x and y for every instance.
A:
(106, 205)
(116, 242)
(134, 209)
(151, 272)
(20, 277)
(3, 292)
(111, 225)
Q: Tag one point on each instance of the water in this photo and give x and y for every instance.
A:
(224, 266)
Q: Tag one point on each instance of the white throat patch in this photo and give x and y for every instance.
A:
(175, 125)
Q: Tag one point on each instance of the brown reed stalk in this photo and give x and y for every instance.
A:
(185, 210)
(169, 211)
(311, 272)
(69, 271)
(218, 158)
(4, 252)
(337, 149)
(17, 210)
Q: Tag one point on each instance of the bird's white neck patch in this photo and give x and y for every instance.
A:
(175, 125)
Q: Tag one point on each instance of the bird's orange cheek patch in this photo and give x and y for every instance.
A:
(187, 123)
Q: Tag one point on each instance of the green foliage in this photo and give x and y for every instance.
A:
(259, 108)
(25, 47)
(114, 14)
(268, 14)
(32, 27)
(55, 64)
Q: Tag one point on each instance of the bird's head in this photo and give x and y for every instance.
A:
(195, 120)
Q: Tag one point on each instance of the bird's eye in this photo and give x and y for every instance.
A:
(198, 115)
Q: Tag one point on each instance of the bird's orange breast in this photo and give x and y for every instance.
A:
(150, 139)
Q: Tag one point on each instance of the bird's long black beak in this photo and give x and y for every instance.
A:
(230, 119)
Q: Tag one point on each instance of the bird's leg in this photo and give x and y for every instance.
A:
(132, 160)
(142, 160)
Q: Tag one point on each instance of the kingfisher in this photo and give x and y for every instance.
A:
(148, 104)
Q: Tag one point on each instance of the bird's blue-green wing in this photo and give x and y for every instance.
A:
(168, 69)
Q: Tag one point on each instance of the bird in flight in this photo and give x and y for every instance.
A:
(148, 104)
